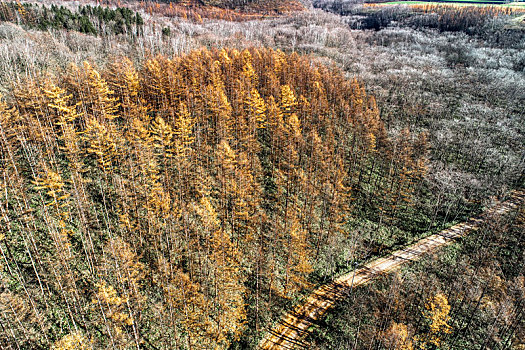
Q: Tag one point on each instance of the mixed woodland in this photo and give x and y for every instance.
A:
(470, 296)
(176, 175)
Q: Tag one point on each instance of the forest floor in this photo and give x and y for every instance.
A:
(295, 325)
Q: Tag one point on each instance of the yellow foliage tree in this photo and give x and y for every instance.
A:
(60, 102)
(184, 132)
(113, 309)
(72, 341)
(288, 100)
(257, 108)
(437, 314)
(102, 143)
(162, 134)
(248, 70)
(104, 105)
(124, 80)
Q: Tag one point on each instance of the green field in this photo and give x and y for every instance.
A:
(457, 2)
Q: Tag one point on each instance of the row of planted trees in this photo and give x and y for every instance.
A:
(168, 205)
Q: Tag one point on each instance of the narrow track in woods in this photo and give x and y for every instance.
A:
(294, 326)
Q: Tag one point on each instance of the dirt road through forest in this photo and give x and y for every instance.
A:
(293, 327)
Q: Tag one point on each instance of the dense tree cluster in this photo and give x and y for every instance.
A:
(236, 10)
(163, 204)
(94, 20)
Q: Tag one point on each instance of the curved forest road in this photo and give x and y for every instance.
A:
(293, 327)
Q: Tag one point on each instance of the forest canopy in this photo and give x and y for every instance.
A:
(162, 203)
